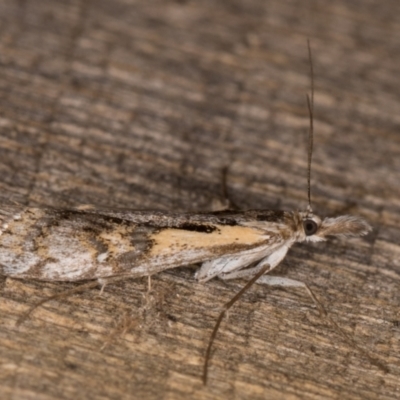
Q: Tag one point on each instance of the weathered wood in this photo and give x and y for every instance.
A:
(142, 105)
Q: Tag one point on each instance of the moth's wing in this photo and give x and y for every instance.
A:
(226, 247)
(178, 239)
(68, 245)
(73, 245)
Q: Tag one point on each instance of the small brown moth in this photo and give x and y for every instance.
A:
(104, 245)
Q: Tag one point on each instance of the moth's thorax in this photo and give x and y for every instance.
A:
(288, 227)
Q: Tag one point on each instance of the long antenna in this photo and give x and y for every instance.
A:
(310, 104)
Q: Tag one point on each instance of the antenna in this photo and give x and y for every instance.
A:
(310, 104)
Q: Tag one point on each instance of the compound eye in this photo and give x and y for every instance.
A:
(310, 227)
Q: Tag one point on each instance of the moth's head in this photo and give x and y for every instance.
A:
(316, 230)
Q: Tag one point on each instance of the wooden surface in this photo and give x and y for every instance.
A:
(142, 104)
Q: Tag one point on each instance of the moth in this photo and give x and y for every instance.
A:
(76, 245)
(102, 245)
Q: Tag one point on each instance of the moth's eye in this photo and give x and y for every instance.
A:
(310, 227)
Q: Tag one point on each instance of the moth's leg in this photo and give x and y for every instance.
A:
(231, 205)
(216, 267)
(210, 269)
(224, 202)
(225, 308)
(66, 293)
(243, 273)
(103, 284)
(272, 260)
(286, 282)
(280, 281)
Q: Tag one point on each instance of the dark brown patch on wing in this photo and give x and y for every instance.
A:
(269, 215)
(203, 228)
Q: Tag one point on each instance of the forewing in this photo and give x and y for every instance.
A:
(73, 245)
(67, 245)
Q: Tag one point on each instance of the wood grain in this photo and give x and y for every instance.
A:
(142, 105)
